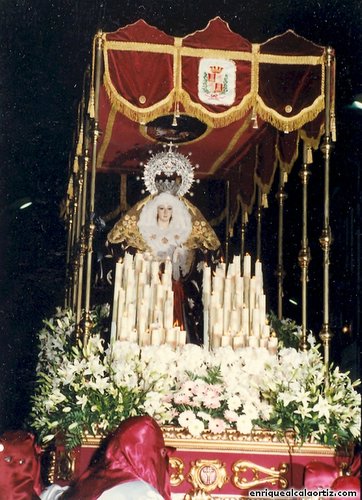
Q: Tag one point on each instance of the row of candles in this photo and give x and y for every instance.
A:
(143, 303)
(235, 306)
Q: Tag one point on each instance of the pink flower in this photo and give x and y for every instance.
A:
(181, 398)
(217, 426)
(211, 401)
(230, 416)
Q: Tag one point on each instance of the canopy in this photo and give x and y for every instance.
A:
(240, 108)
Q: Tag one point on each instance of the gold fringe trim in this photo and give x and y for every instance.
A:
(216, 120)
(179, 96)
(287, 166)
(140, 115)
(289, 124)
(107, 136)
(312, 142)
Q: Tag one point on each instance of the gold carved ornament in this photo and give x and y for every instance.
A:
(177, 467)
(271, 476)
(207, 475)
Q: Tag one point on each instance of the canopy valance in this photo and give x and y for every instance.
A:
(255, 101)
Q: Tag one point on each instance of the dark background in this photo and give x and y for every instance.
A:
(44, 49)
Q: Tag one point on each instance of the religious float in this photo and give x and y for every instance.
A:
(247, 398)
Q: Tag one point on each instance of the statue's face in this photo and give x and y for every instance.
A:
(164, 213)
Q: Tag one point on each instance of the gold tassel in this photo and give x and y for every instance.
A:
(264, 200)
(254, 119)
(309, 155)
(80, 143)
(76, 164)
(91, 110)
(333, 128)
(245, 217)
(285, 177)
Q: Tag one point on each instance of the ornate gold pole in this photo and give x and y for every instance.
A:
(325, 239)
(69, 214)
(97, 82)
(227, 222)
(304, 254)
(281, 197)
(258, 226)
(83, 237)
(84, 162)
(76, 237)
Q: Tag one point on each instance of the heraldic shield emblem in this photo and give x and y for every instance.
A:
(217, 79)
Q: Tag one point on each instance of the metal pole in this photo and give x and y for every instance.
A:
(97, 82)
(258, 226)
(244, 221)
(304, 254)
(325, 239)
(281, 197)
(227, 223)
(83, 236)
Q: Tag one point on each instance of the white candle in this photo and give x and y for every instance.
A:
(226, 340)
(117, 284)
(266, 331)
(256, 323)
(246, 287)
(247, 266)
(216, 341)
(258, 270)
(156, 336)
(273, 345)
(252, 293)
(238, 341)
(231, 270)
(245, 320)
(253, 342)
(234, 325)
(133, 336)
(124, 328)
(171, 337)
(181, 337)
(237, 265)
(263, 342)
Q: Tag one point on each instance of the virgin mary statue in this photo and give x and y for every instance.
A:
(166, 226)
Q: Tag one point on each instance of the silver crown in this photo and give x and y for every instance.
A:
(169, 171)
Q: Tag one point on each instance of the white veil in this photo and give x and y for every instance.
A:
(164, 241)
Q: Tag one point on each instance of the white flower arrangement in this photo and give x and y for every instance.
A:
(91, 389)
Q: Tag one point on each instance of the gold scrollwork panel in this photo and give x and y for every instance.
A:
(177, 467)
(243, 469)
(207, 475)
(64, 465)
